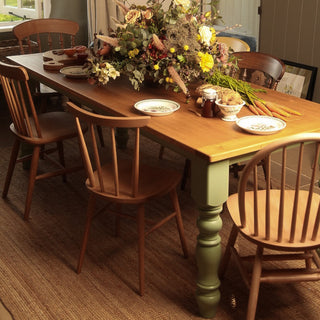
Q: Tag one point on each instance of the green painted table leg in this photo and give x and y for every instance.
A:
(210, 184)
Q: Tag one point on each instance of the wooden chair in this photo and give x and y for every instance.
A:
(49, 34)
(258, 68)
(32, 129)
(125, 181)
(234, 43)
(281, 219)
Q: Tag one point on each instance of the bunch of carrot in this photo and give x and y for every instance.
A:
(272, 109)
(249, 95)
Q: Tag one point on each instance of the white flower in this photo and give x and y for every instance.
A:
(205, 35)
(113, 73)
(183, 3)
(132, 16)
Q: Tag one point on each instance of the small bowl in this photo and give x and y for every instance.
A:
(229, 112)
(80, 49)
(69, 52)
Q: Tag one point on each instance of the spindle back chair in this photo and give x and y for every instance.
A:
(48, 33)
(234, 43)
(124, 180)
(259, 68)
(32, 129)
(281, 218)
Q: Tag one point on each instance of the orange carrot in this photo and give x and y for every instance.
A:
(261, 106)
(261, 112)
(253, 109)
(277, 115)
(273, 108)
(289, 110)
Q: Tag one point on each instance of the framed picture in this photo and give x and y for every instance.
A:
(298, 80)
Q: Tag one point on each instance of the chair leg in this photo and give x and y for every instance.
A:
(141, 245)
(90, 211)
(61, 158)
(227, 254)
(12, 164)
(32, 180)
(175, 202)
(255, 284)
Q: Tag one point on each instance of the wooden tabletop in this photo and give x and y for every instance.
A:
(210, 138)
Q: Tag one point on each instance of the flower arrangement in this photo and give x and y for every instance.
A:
(173, 47)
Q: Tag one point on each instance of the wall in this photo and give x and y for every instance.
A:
(75, 10)
(290, 30)
(243, 12)
(66, 9)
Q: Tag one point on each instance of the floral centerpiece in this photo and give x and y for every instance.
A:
(173, 47)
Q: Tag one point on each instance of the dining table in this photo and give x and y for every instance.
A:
(211, 144)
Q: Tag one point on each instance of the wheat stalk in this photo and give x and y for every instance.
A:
(176, 78)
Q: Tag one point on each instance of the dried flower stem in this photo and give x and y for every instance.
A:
(112, 41)
(176, 78)
(122, 7)
(157, 42)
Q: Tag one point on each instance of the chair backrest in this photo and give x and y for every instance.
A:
(48, 33)
(295, 210)
(260, 68)
(234, 43)
(97, 179)
(14, 80)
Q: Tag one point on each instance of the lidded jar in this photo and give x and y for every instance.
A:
(208, 102)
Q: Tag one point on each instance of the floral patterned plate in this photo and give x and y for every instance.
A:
(261, 124)
(157, 107)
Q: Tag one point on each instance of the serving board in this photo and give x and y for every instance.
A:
(56, 59)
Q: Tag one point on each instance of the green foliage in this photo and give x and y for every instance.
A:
(8, 17)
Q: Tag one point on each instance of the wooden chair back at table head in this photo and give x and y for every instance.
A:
(14, 80)
(234, 43)
(48, 33)
(295, 211)
(93, 167)
(260, 68)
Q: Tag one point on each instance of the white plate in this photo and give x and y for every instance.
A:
(261, 124)
(157, 107)
(75, 72)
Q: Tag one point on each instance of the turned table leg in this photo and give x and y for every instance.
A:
(210, 184)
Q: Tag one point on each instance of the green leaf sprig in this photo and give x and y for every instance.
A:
(246, 91)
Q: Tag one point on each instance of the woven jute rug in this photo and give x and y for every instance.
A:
(38, 259)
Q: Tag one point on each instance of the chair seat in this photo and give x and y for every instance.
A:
(272, 243)
(54, 126)
(153, 182)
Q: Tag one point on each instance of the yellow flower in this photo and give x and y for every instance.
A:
(207, 14)
(131, 54)
(213, 37)
(156, 67)
(167, 79)
(172, 50)
(186, 48)
(206, 61)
